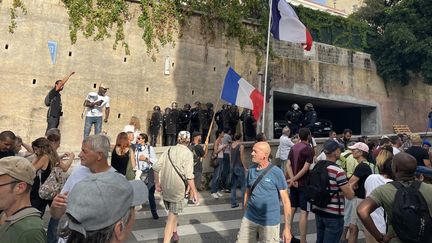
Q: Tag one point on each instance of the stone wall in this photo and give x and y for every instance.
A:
(196, 72)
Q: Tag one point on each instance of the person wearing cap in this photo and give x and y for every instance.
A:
(362, 171)
(7, 143)
(330, 220)
(416, 150)
(101, 208)
(173, 170)
(53, 101)
(94, 104)
(23, 223)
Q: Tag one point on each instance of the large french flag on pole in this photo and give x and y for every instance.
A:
(237, 91)
(286, 25)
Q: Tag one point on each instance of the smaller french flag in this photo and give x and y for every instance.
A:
(237, 91)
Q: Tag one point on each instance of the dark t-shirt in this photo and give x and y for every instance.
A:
(198, 153)
(299, 155)
(362, 171)
(53, 100)
(419, 154)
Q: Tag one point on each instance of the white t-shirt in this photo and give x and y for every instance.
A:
(143, 165)
(78, 174)
(97, 110)
(372, 182)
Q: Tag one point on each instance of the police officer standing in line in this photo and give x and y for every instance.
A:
(234, 118)
(195, 125)
(155, 125)
(294, 118)
(310, 116)
(184, 118)
(206, 117)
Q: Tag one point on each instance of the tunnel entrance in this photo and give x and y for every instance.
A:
(360, 118)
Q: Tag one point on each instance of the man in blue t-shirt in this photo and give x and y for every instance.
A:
(262, 216)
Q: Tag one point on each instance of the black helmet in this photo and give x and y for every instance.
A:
(187, 106)
(156, 108)
(308, 106)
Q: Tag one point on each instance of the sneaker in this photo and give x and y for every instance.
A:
(227, 190)
(235, 205)
(190, 203)
(219, 194)
(215, 195)
(175, 237)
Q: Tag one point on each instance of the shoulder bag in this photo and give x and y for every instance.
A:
(264, 173)
(53, 184)
(175, 168)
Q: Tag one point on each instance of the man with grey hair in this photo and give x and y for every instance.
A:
(94, 159)
(285, 145)
(89, 222)
(175, 167)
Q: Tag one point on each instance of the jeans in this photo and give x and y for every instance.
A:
(52, 236)
(217, 176)
(237, 179)
(329, 230)
(89, 121)
(225, 178)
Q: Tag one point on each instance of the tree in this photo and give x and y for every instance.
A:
(403, 38)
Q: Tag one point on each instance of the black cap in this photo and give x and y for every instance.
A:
(194, 134)
(331, 145)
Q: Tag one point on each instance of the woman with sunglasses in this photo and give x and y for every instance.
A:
(146, 158)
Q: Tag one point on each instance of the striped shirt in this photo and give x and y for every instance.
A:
(337, 179)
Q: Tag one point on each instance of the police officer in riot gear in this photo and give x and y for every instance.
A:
(155, 125)
(294, 118)
(310, 116)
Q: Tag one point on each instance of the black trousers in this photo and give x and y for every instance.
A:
(53, 122)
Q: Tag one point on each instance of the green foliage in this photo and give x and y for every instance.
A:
(13, 13)
(403, 43)
(162, 20)
(335, 30)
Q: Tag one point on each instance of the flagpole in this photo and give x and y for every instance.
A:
(266, 67)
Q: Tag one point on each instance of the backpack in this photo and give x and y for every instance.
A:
(411, 219)
(318, 187)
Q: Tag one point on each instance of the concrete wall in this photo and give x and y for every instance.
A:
(196, 72)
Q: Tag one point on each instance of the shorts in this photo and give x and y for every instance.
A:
(174, 207)
(251, 232)
(298, 199)
(355, 220)
(347, 212)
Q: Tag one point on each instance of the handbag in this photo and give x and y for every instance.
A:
(214, 162)
(53, 184)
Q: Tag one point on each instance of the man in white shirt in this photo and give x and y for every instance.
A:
(284, 148)
(94, 103)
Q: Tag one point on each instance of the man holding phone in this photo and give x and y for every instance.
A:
(94, 104)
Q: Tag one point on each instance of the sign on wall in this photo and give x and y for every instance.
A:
(52, 47)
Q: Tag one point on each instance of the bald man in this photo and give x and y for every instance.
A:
(403, 167)
(265, 185)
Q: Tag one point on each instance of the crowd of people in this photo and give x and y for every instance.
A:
(378, 187)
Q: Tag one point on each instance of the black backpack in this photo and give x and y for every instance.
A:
(411, 219)
(318, 188)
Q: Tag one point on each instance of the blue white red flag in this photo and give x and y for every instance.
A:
(286, 25)
(237, 91)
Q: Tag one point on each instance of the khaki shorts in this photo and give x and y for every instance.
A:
(355, 220)
(249, 230)
(174, 207)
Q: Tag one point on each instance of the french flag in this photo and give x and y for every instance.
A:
(237, 91)
(286, 25)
